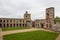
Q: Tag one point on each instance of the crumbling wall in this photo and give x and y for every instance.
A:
(0, 34)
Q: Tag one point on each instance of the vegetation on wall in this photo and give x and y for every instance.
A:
(57, 19)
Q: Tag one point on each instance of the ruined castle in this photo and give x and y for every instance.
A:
(27, 21)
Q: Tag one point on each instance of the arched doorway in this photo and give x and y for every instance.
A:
(42, 25)
(0, 25)
(50, 26)
(47, 25)
(33, 24)
(7, 25)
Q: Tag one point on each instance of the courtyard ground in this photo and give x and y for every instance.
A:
(13, 28)
(32, 35)
(0, 34)
(26, 30)
(58, 38)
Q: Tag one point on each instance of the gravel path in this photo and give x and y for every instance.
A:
(58, 38)
(24, 30)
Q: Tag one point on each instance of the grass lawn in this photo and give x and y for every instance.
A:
(33, 35)
(13, 28)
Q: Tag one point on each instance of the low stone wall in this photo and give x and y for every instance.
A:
(1, 34)
(56, 27)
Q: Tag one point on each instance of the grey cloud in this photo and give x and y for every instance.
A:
(16, 8)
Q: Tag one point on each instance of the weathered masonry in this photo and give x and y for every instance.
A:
(49, 17)
(27, 21)
(15, 22)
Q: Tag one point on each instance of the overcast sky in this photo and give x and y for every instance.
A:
(17, 8)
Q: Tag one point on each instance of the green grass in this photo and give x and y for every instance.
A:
(33, 35)
(13, 28)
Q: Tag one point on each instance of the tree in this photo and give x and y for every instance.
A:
(57, 19)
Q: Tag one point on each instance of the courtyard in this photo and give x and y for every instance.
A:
(13, 28)
(32, 35)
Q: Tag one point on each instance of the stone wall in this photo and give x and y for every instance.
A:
(39, 23)
(0, 34)
(49, 17)
(56, 27)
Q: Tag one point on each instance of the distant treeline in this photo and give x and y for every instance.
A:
(57, 19)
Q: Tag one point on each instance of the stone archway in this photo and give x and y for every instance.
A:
(42, 25)
(47, 25)
(50, 25)
(0, 25)
(33, 24)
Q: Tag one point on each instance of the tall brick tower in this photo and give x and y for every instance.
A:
(49, 17)
(27, 18)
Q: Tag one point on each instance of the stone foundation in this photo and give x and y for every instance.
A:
(1, 34)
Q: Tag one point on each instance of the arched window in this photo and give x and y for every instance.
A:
(7, 25)
(17, 25)
(20, 24)
(23, 24)
(10, 25)
(47, 14)
(42, 25)
(0, 25)
(50, 26)
(7, 20)
(14, 25)
(4, 25)
(4, 21)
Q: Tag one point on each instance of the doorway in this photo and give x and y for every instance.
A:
(0, 25)
(42, 25)
(33, 24)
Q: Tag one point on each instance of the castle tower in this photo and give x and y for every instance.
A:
(27, 18)
(49, 17)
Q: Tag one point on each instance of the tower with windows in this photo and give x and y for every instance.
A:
(27, 18)
(49, 17)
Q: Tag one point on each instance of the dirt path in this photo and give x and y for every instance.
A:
(24, 30)
(58, 38)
